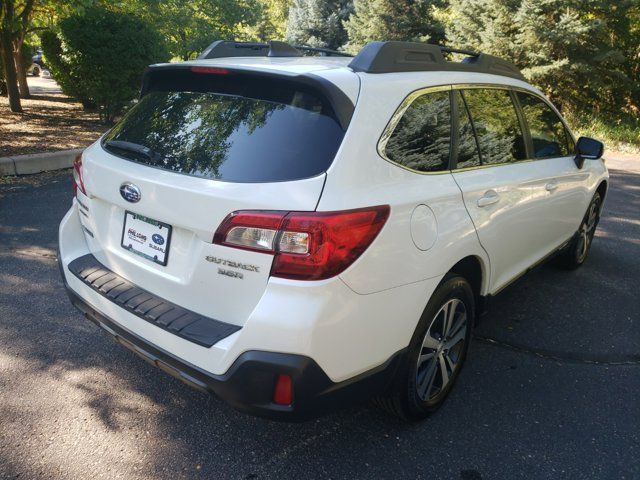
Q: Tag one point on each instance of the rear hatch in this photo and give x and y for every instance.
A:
(200, 144)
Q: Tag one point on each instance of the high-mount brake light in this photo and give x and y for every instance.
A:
(306, 245)
(210, 70)
(78, 181)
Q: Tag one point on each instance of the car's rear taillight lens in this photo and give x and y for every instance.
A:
(78, 181)
(307, 245)
(250, 230)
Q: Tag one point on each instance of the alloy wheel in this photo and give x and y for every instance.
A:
(442, 349)
(587, 231)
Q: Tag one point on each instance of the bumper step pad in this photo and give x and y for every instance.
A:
(184, 323)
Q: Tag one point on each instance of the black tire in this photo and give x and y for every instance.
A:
(36, 72)
(576, 253)
(407, 398)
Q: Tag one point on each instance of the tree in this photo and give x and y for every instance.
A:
(14, 21)
(20, 19)
(188, 27)
(412, 20)
(582, 53)
(319, 23)
(100, 56)
(271, 23)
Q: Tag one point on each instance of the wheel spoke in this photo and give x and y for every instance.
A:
(460, 322)
(456, 338)
(430, 342)
(425, 357)
(424, 386)
(593, 215)
(450, 362)
(443, 370)
(449, 315)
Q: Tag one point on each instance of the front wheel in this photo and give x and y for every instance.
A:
(577, 251)
(437, 352)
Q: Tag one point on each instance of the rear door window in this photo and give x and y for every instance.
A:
(497, 126)
(231, 128)
(421, 140)
(548, 133)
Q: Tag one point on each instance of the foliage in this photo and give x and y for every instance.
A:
(318, 23)
(271, 23)
(622, 133)
(188, 27)
(583, 54)
(394, 20)
(100, 57)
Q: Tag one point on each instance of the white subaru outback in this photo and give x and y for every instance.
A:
(298, 233)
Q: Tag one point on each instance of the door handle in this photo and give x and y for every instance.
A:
(551, 186)
(489, 198)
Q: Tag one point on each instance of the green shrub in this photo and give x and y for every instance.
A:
(99, 57)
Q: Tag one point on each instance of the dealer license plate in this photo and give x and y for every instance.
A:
(146, 237)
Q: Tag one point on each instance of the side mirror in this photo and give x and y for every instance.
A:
(588, 149)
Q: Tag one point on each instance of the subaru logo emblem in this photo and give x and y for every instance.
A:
(130, 192)
(158, 239)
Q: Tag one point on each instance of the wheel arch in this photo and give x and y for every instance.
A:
(602, 189)
(476, 272)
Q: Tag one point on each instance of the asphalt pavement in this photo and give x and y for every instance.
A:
(550, 389)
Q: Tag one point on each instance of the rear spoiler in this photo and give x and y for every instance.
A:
(342, 105)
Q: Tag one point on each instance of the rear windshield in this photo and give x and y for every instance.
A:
(229, 127)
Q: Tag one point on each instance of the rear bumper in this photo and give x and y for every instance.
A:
(248, 385)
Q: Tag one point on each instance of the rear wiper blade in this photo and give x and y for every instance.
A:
(132, 147)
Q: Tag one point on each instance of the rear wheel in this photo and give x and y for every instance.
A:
(436, 353)
(577, 251)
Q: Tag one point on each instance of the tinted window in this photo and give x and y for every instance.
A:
(547, 130)
(421, 140)
(230, 130)
(497, 126)
(467, 146)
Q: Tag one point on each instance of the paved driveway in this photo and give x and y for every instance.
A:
(550, 389)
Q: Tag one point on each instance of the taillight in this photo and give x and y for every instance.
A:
(250, 230)
(78, 182)
(306, 245)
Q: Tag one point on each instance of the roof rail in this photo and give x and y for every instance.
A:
(324, 51)
(388, 57)
(224, 48)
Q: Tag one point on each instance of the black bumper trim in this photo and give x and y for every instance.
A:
(184, 323)
(249, 383)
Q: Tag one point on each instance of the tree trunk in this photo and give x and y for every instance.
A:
(10, 75)
(21, 70)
